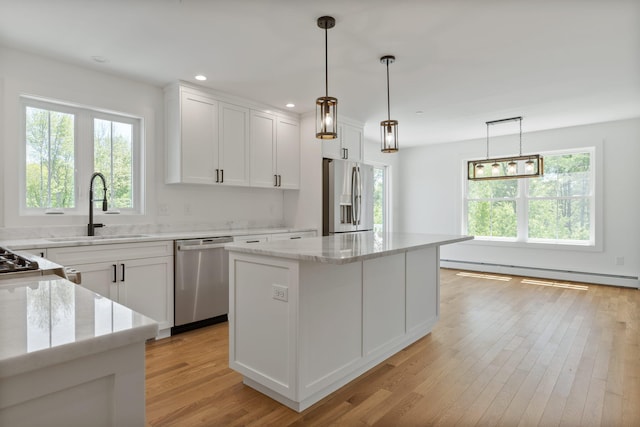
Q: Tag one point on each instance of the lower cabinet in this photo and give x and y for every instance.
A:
(139, 276)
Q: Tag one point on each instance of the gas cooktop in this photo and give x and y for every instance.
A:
(10, 262)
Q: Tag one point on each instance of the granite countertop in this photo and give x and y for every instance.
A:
(103, 239)
(346, 248)
(46, 320)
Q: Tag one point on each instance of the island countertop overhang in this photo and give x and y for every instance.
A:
(347, 247)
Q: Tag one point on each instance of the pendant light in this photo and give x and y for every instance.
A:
(520, 166)
(389, 128)
(326, 106)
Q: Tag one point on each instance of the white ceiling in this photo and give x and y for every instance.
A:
(461, 62)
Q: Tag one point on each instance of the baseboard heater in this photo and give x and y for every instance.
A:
(549, 273)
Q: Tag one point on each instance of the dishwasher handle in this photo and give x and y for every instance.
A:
(188, 247)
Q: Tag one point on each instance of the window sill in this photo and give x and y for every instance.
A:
(578, 247)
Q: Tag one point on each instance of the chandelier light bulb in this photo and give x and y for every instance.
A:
(512, 167)
(528, 166)
(495, 169)
(480, 170)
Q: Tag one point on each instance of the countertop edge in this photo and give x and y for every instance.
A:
(46, 242)
(275, 253)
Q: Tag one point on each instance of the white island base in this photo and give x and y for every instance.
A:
(299, 329)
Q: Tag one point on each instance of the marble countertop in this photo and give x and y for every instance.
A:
(47, 320)
(346, 248)
(133, 237)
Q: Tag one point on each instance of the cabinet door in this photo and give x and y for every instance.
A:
(263, 136)
(99, 277)
(146, 286)
(351, 137)
(331, 148)
(233, 144)
(199, 139)
(288, 153)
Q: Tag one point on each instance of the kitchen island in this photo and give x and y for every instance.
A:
(308, 316)
(69, 357)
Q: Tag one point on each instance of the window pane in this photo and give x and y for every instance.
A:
(113, 157)
(561, 219)
(378, 199)
(49, 159)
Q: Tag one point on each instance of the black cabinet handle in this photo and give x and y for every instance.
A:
(221, 175)
(276, 178)
(252, 241)
(122, 272)
(217, 175)
(296, 237)
(115, 279)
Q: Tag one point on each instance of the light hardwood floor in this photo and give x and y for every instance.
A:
(507, 351)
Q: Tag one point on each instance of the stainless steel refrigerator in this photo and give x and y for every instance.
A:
(347, 196)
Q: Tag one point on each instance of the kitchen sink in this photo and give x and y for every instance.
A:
(91, 238)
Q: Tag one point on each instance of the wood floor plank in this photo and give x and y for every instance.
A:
(506, 351)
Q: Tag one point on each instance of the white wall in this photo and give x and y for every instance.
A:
(431, 200)
(22, 73)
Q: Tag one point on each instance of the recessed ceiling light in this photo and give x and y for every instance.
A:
(291, 105)
(100, 59)
(201, 77)
(419, 113)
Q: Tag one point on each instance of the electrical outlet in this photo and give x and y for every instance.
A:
(280, 292)
(163, 209)
(619, 260)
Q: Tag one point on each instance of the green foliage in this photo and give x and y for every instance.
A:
(378, 198)
(112, 156)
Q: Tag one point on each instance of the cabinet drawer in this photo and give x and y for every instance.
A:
(104, 253)
(254, 238)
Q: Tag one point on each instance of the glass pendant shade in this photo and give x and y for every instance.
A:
(495, 169)
(389, 136)
(326, 117)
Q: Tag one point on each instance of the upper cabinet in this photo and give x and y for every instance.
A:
(233, 145)
(213, 141)
(275, 151)
(347, 146)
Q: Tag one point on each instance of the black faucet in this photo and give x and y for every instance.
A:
(91, 226)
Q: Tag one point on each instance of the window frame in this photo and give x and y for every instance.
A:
(83, 156)
(522, 207)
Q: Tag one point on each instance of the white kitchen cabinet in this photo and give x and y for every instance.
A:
(275, 151)
(347, 146)
(137, 275)
(207, 140)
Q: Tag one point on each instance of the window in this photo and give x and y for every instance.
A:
(64, 145)
(555, 208)
(379, 199)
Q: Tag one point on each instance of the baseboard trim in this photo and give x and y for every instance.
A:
(546, 273)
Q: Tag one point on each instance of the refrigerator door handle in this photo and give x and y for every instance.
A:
(354, 177)
(359, 198)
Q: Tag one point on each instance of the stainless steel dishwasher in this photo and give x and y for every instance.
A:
(201, 286)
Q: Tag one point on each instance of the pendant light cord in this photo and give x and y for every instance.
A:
(326, 63)
(388, 94)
